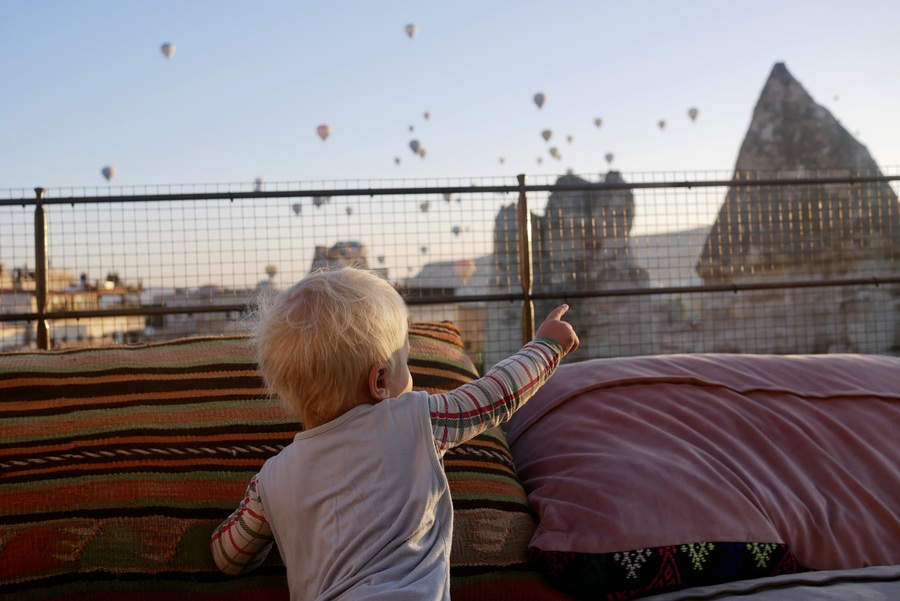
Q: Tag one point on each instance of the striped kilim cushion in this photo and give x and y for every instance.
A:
(117, 463)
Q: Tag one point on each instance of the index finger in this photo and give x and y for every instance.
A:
(557, 313)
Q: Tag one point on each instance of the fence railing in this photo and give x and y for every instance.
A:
(661, 263)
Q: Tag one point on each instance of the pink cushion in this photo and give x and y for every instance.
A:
(622, 454)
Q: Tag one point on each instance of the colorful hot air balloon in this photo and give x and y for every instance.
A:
(464, 268)
(168, 50)
(324, 131)
(412, 30)
(540, 99)
(108, 172)
(693, 112)
(547, 134)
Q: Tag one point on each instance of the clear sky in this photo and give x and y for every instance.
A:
(84, 85)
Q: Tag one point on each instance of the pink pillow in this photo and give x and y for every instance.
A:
(618, 455)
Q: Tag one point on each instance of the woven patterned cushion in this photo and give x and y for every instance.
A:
(117, 463)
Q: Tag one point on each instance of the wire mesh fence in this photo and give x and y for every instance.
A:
(650, 263)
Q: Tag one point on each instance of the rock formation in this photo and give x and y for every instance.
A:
(342, 254)
(582, 242)
(763, 234)
(802, 232)
(761, 229)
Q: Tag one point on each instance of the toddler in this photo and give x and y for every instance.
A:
(358, 503)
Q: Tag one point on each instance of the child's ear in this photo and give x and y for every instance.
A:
(377, 382)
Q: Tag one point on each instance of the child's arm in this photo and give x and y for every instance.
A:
(242, 542)
(469, 410)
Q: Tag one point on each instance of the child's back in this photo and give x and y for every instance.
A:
(358, 503)
(361, 503)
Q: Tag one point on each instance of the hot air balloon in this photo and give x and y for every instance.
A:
(662, 123)
(502, 160)
(297, 207)
(547, 134)
(540, 99)
(414, 146)
(540, 160)
(464, 268)
(598, 122)
(421, 152)
(168, 50)
(447, 196)
(693, 112)
(108, 173)
(318, 201)
(380, 259)
(609, 157)
(397, 160)
(259, 185)
(425, 206)
(424, 249)
(554, 152)
(324, 131)
(412, 128)
(456, 230)
(412, 30)
(427, 115)
(349, 210)
(569, 138)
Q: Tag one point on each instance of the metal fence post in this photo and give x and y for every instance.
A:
(525, 269)
(41, 270)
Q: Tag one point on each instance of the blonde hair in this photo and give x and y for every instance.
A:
(316, 341)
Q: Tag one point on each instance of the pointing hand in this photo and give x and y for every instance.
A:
(558, 330)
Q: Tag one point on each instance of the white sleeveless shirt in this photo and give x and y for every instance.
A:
(361, 508)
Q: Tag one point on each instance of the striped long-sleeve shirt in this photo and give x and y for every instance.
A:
(243, 540)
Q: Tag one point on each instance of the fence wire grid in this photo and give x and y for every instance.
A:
(649, 263)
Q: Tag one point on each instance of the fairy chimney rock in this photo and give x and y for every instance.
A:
(763, 229)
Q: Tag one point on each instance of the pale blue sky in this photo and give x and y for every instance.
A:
(84, 85)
